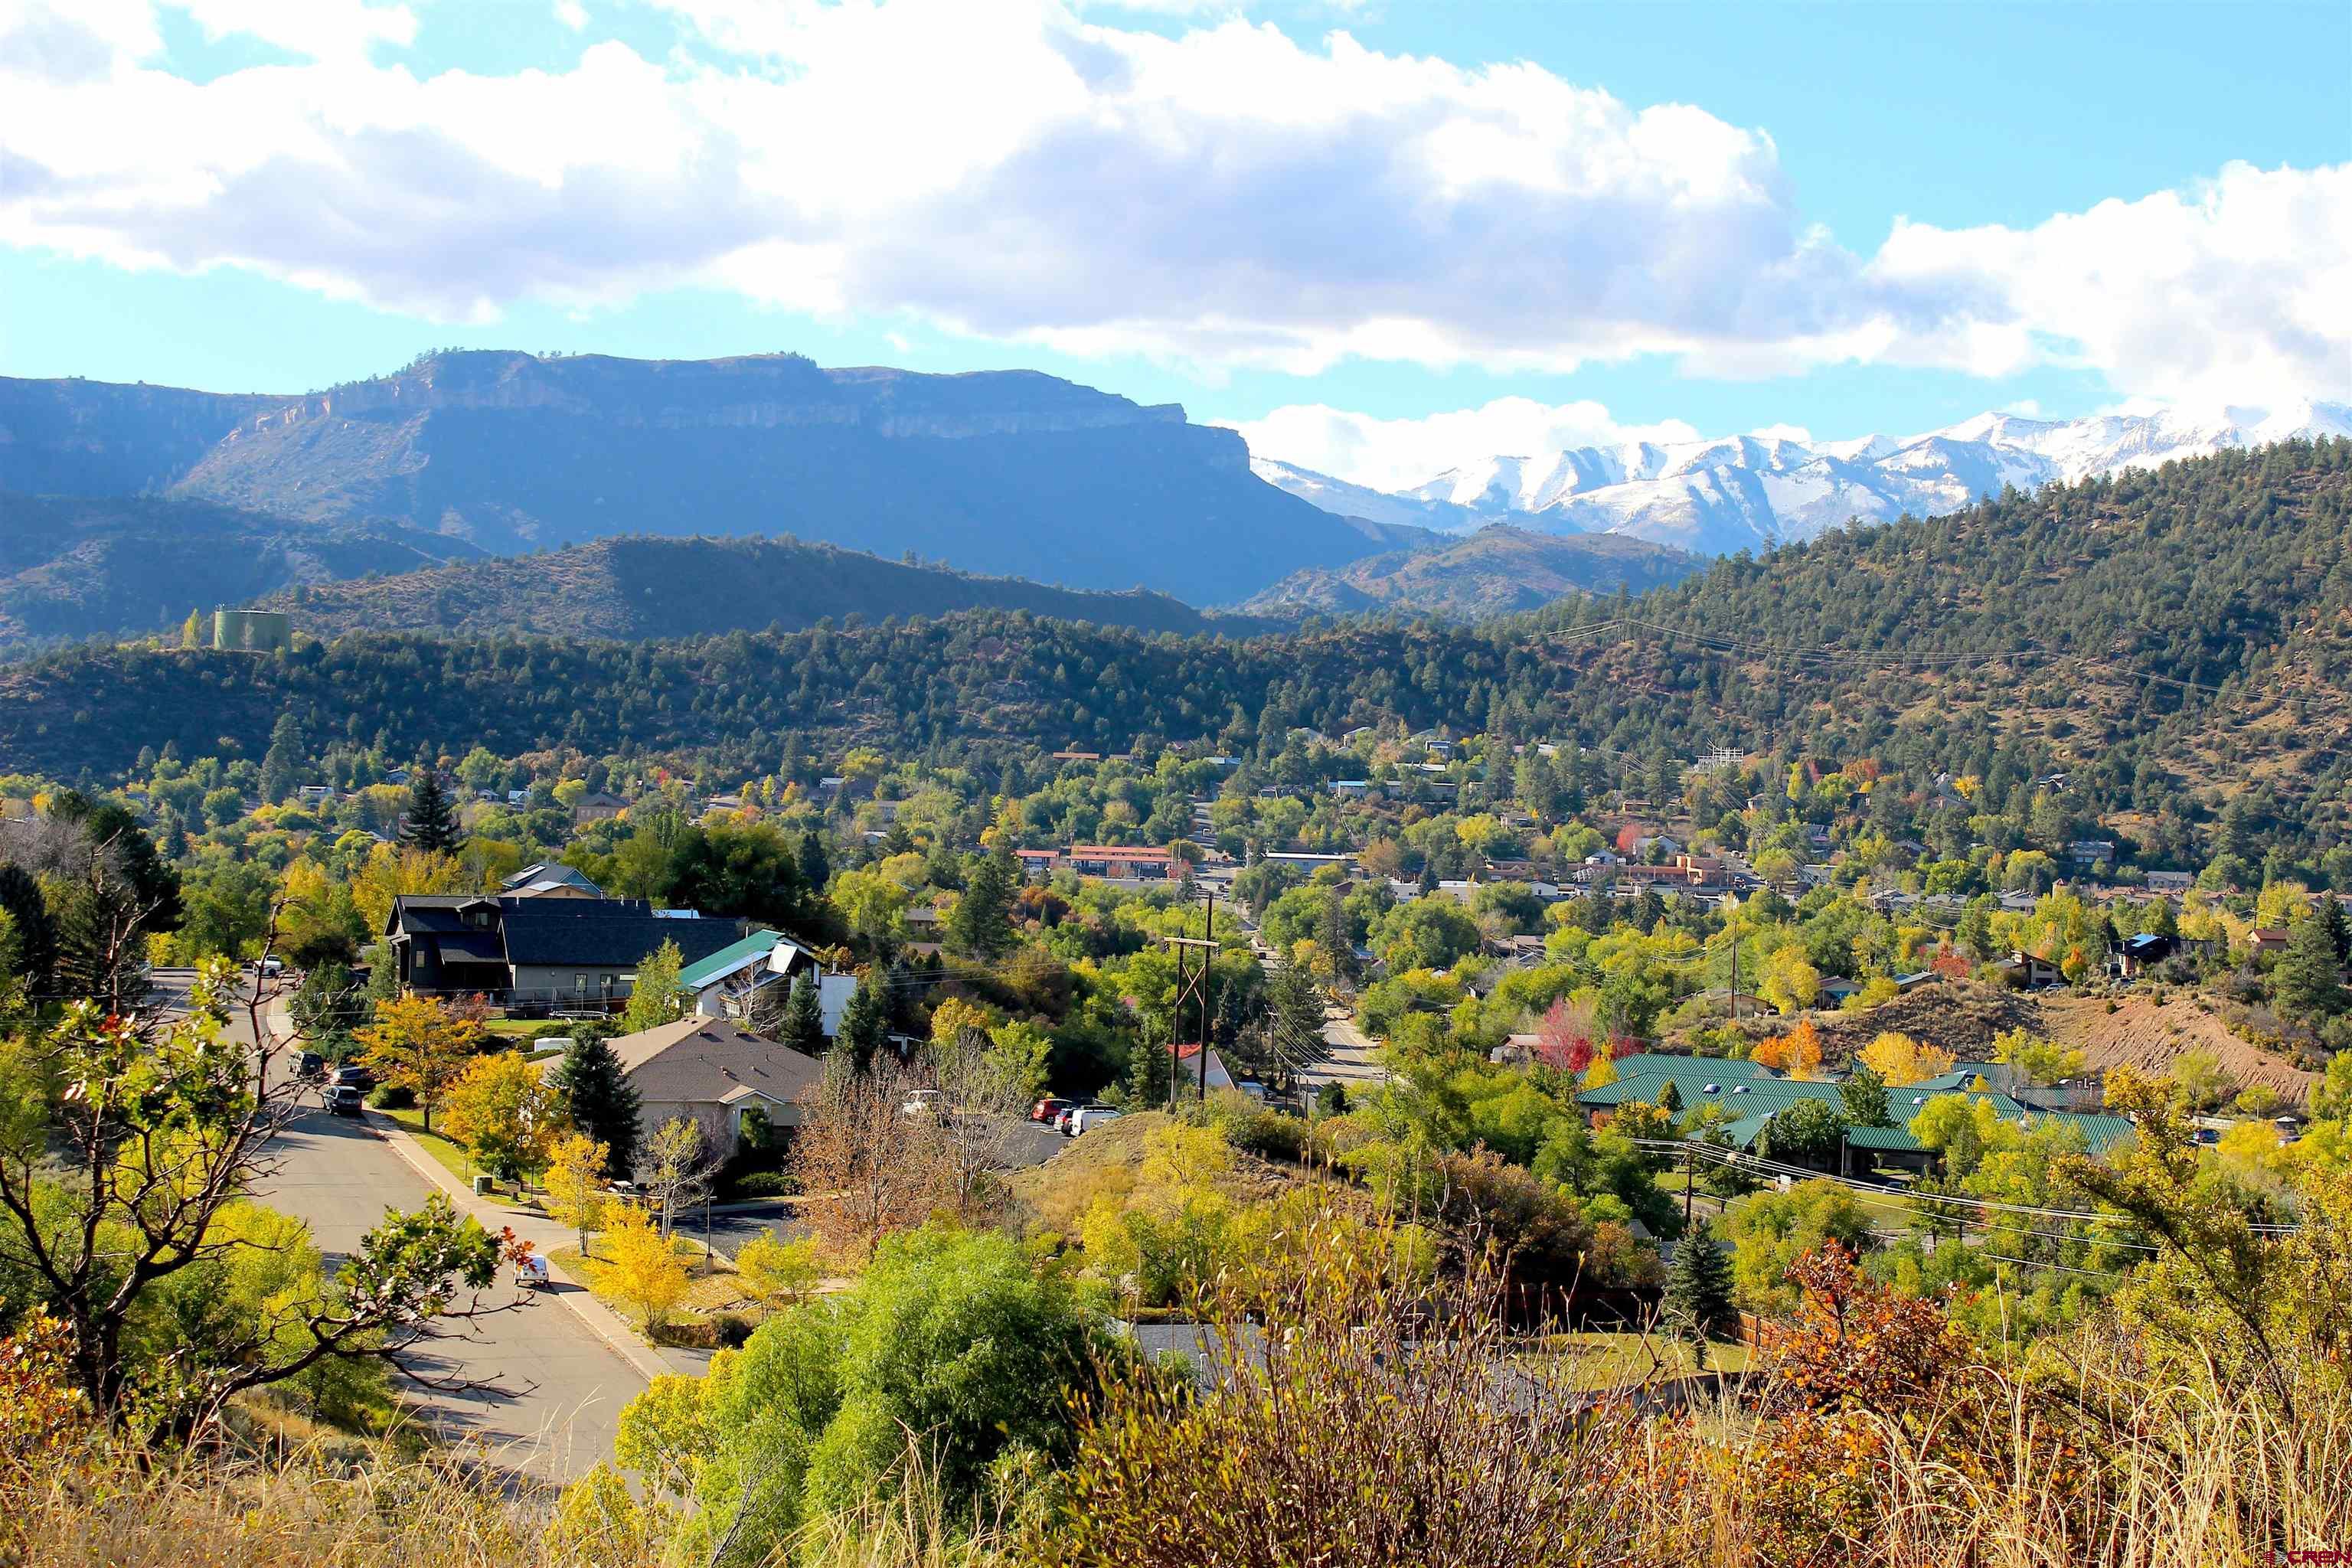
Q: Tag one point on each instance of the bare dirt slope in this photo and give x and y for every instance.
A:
(1961, 1016)
(2140, 1034)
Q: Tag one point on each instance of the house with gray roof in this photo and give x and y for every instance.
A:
(562, 954)
(549, 879)
(712, 1072)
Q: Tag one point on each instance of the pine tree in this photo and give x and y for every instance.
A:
(803, 1025)
(982, 924)
(1699, 1292)
(36, 928)
(866, 1021)
(2331, 918)
(1670, 1098)
(816, 871)
(603, 1103)
(2309, 980)
(1150, 1073)
(1334, 936)
(432, 822)
(281, 765)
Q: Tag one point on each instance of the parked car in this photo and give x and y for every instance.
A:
(310, 1066)
(1045, 1109)
(345, 1100)
(1064, 1116)
(352, 1076)
(1090, 1117)
(2206, 1135)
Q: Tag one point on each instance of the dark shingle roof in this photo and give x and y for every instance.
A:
(546, 933)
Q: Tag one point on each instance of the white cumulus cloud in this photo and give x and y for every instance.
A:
(1231, 196)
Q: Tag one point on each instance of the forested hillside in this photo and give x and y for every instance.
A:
(2167, 641)
(117, 567)
(1497, 571)
(643, 587)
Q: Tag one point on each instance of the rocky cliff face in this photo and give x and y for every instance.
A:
(96, 438)
(755, 392)
(1001, 471)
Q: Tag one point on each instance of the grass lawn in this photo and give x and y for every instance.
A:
(453, 1157)
(1607, 1361)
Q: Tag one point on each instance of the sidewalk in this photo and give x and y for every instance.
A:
(545, 1235)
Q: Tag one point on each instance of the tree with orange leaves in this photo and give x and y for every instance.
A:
(1797, 1053)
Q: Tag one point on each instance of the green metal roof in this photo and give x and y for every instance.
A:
(2100, 1132)
(1911, 1099)
(1752, 1094)
(1644, 1075)
(727, 959)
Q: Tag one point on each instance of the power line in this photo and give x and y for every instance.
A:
(1718, 1154)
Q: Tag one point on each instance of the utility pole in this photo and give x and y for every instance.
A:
(1208, 989)
(1731, 924)
(1690, 1177)
(1193, 986)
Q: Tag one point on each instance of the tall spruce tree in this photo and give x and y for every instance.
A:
(432, 822)
(1335, 935)
(281, 765)
(1151, 1074)
(1699, 1292)
(2309, 980)
(2332, 920)
(816, 871)
(804, 1024)
(37, 930)
(866, 1021)
(602, 1103)
(981, 926)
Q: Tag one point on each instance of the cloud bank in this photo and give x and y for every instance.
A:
(1228, 197)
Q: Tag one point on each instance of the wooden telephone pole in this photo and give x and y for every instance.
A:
(1195, 984)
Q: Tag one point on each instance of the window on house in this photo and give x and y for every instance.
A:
(580, 982)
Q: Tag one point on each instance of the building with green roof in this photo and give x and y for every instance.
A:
(1750, 1095)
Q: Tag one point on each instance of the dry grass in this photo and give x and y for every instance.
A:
(2191, 1477)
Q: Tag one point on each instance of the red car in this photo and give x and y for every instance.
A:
(1045, 1109)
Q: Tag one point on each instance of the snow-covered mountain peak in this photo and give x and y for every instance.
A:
(1752, 491)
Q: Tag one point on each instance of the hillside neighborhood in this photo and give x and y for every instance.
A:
(1143, 783)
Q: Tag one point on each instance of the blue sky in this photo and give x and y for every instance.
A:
(1224, 208)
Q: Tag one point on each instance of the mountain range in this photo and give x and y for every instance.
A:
(1753, 492)
(1003, 471)
(2120, 633)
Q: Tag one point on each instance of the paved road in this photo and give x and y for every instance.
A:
(557, 1388)
(1352, 1059)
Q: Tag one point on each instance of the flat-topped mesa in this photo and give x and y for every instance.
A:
(752, 392)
